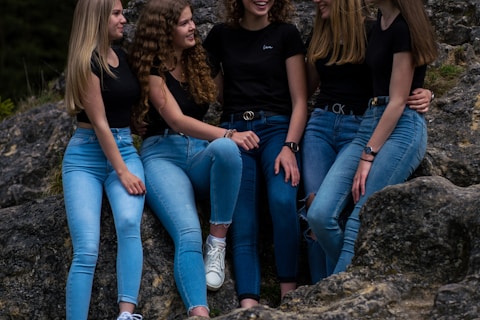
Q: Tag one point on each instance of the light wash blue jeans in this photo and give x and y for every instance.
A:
(180, 169)
(326, 137)
(397, 159)
(86, 173)
(258, 165)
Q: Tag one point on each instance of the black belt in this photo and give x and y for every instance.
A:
(379, 101)
(248, 115)
(339, 108)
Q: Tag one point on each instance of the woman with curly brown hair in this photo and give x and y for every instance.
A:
(263, 88)
(181, 165)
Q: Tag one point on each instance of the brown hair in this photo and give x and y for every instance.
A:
(423, 38)
(281, 11)
(154, 39)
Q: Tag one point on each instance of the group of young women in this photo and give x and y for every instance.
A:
(366, 132)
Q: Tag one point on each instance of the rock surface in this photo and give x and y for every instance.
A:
(417, 253)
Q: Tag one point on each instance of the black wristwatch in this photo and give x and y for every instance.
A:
(293, 146)
(369, 150)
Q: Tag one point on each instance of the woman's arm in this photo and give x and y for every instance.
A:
(400, 82)
(167, 106)
(298, 91)
(93, 104)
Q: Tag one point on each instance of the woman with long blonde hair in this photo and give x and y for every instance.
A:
(100, 92)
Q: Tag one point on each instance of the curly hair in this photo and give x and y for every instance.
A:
(154, 39)
(281, 11)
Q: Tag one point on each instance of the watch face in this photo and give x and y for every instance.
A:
(369, 150)
(293, 146)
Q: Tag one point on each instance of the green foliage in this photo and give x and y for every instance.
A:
(443, 78)
(6, 108)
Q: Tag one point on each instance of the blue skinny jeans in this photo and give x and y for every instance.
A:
(258, 164)
(180, 169)
(326, 137)
(397, 159)
(86, 173)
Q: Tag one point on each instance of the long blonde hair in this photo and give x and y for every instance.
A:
(343, 34)
(154, 39)
(88, 38)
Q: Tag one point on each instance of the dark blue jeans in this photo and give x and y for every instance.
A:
(327, 135)
(259, 164)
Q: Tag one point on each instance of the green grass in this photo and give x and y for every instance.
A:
(443, 78)
(6, 108)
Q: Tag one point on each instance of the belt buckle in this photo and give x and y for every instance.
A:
(248, 115)
(375, 101)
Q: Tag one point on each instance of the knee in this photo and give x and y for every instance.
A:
(225, 149)
(86, 256)
(319, 219)
(129, 225)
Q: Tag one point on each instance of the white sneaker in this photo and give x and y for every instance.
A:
(214, 264)
(128, 316)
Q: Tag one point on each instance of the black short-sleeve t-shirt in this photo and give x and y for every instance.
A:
(156, 125)
(383, 44)
(254, 65)
(119, 94)
(347, 84)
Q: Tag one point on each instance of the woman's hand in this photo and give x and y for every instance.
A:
(420, 100)
(245, 139)
(359, 181)
(287, 160)
(132, 183)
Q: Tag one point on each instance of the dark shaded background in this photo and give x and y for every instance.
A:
(33, 44)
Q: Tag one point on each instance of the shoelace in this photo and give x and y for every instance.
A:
(215, 259)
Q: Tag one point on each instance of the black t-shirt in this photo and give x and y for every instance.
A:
(119, 94)
(156, 124)
(348, 84)
(254, 65)
(382, 46)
